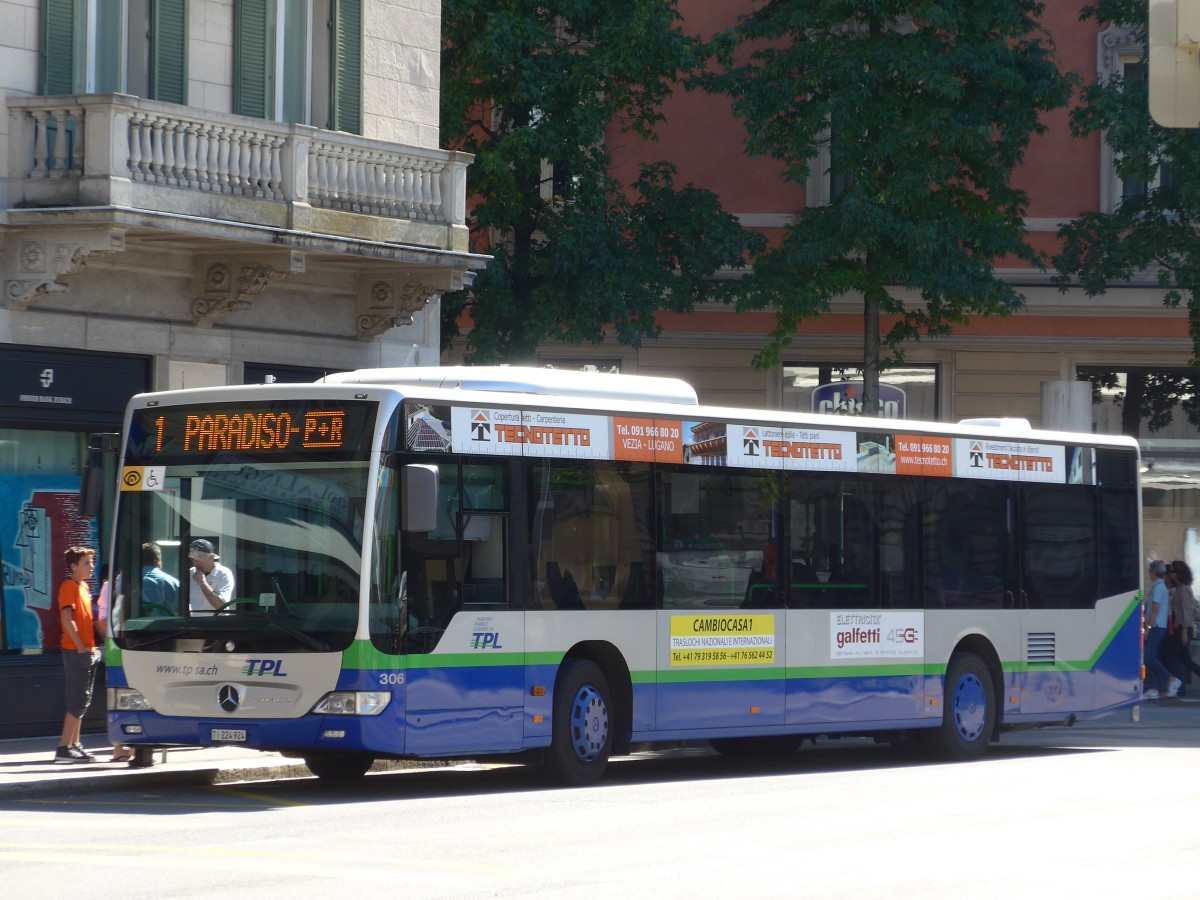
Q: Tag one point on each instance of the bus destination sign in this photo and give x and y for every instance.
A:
(273, 428)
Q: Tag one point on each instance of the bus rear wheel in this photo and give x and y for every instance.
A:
(968, 712)
(338, 768)
(581, 739)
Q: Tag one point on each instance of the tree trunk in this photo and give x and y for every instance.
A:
(1131, 409)
(870, 394)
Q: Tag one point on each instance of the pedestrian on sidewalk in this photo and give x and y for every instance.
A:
(80, 655)
(121, 753)
(1178, 646)
(1155, 631)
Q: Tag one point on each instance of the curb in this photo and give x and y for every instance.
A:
(84, 784)
(144, 779)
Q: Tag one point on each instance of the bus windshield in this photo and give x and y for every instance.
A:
(240, 537)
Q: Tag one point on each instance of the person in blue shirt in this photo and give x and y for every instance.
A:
(160, 591)
(1154, 624)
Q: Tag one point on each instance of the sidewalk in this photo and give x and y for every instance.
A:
(27, 768)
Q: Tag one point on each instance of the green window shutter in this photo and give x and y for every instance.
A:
(251, 73)
(168, 51)
(347, 66)
(57, 47)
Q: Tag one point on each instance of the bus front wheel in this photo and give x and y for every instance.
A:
(338, 768)
(968, 712)
(581, 739)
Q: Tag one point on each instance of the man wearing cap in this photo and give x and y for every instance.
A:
(212, 583)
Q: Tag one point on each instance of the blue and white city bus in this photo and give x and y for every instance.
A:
(459, 562)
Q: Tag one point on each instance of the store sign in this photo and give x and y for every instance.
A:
(57, 382)
(844, 398)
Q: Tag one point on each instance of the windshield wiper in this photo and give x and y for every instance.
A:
(298, 634)
(138, 643)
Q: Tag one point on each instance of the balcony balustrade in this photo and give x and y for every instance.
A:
(114, 150)
(98, 174)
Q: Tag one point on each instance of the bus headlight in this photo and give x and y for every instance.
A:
(127, 700)
(353, 703)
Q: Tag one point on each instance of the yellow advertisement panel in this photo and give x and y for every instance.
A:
(722, 640)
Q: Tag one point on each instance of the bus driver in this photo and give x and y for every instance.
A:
(212, 583)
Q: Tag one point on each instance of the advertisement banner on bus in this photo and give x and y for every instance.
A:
(722, 640)
(1010, 460)
(875, 635)
(923, 454)
(514, 432)
(756, 446)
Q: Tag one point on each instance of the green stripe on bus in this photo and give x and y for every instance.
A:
(364, 655)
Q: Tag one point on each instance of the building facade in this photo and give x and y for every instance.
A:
(198, 192)
(1120, 343)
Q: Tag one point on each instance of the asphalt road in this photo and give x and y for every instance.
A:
(1102, 811)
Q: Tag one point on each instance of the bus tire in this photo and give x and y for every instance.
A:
(581, 738)
(968, 712)
(338, 768)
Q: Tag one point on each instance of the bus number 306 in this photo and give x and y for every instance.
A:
(386, 678)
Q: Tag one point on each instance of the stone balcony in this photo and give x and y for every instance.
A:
(251, 199)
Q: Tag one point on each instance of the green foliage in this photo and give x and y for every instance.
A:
(932, 106)
(533, 89)
(1150, 231)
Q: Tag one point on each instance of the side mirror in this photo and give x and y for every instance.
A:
(419, 497)
(91, 491)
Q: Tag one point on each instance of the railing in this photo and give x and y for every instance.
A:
(105, 149)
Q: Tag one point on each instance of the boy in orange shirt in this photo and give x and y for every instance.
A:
(81, 656)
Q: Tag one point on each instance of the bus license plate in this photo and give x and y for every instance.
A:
(229, 735)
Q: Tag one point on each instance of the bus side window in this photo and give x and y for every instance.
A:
(590, 537)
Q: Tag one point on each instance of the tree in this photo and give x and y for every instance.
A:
(535, 88)
(931, 106)
(1154, 228)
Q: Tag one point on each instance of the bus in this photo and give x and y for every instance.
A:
(561, 566)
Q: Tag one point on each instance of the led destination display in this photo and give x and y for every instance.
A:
(265, 429)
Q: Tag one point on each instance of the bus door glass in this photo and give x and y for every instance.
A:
(1059, 573)
(465, 635)
(721, 653)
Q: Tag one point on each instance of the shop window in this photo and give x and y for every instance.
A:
(1161, 408)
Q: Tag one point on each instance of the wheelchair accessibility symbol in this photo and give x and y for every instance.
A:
(143, 478)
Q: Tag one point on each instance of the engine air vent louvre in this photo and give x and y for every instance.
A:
(1040, 647)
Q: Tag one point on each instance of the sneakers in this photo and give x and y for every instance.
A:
(1173, 687)
(1151, 694)
(73, 754)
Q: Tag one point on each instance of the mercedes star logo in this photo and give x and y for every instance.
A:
(229, 697)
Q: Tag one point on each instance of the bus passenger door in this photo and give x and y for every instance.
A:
(464, 642)
(721, 628)
(1059, 587)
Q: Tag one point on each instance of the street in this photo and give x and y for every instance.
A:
(1104, 810)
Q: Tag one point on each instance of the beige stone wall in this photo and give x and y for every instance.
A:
(210, 55)
(991, 383)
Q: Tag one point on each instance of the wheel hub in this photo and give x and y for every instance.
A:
(589, 723)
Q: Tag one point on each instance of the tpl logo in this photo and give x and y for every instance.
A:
(485, 640)
(264, 667)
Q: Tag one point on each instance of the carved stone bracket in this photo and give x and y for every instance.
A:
(385, 303)
(228, 284)
(38, 259)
